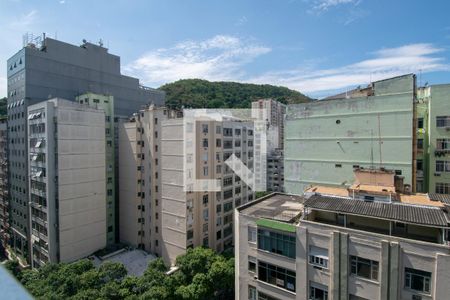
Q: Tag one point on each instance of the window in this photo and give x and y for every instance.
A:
(419, 165)
(417, 280)
(419, 123)
(205, 128)
(205, 171)
(364, 267)
(205, 214)
(218, 130)
(156, 120)
(251, 293)
(318, 257)
(443, 144)
(338, 165)
(251, 234)
(262, 296)
(205, 199)
(317, 291)
(442, 166)
(218, 143)
(276, 242)
(442, 188)
(251, 264)
(219, 169)
(420, 144)
(228, 206)
(442, 121)
(275, 275)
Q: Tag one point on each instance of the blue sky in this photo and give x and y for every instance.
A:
(318, 47)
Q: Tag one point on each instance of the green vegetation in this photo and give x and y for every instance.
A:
(197, 93)
(202, 274)
(3, 104)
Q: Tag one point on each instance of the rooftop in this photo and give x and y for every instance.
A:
(276, 206)
(431, 216)
(135, 261)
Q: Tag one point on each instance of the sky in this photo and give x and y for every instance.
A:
(317, 47)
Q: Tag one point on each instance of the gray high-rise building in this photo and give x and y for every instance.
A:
(46, 68)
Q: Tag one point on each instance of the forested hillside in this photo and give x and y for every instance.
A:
(197, 93)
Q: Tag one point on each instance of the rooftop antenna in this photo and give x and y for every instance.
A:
(379, 139)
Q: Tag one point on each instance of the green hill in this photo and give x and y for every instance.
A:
(197, 93)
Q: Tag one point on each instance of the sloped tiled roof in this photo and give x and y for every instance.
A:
(432, 216)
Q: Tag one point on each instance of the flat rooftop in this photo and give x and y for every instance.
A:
(135, 261)
(276, 206)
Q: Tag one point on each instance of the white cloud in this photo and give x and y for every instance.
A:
(386, 63)
(319, 6)
(24, 21)
(217, 58)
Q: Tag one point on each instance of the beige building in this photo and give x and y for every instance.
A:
(368, 241)
(274, 112)
(67, 181)
(198, 151)
(140, 178)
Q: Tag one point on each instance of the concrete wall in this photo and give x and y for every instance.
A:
(81, 180)
(173, 199)
(326, 139)
(439, 105)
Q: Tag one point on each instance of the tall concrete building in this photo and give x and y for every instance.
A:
(433, 139)
(68, 215)
(198, 151)
(106, 103)
(140, 178)
(46, 68)
(4, 198)
(275, 113)
(368, 241)
(327, 139)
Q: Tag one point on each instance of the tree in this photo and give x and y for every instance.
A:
(197, 93)
(202, 274)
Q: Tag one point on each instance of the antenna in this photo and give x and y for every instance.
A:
(379, 139)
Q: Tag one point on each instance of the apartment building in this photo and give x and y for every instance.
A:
(194, 151)
(368, 241)
(4, 199)
(45, 68)
(433, 139)
(106, 103)
(327, 139)
(274, 112)
(275, 171)
(67, 199)
(140, 178)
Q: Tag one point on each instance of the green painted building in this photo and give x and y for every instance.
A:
(433, 138)
(325, 140)
(106, 102)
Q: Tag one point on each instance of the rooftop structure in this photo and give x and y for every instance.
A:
(333, 243)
